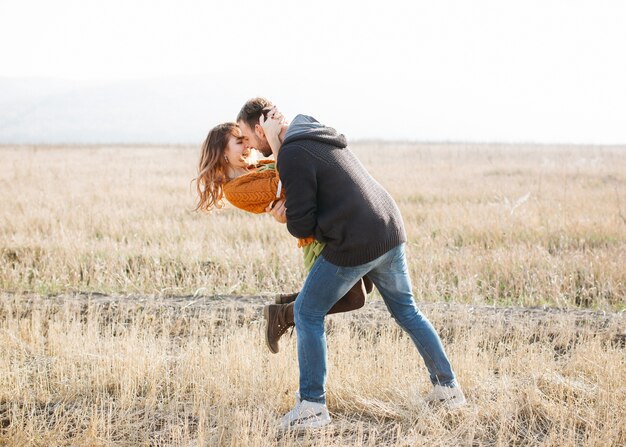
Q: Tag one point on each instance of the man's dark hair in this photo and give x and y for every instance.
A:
(252, 110)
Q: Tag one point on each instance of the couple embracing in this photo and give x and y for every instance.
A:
(350, 230)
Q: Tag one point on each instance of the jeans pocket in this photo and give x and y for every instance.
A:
(348, 274)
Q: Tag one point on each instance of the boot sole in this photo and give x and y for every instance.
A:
(300, 428)
(266, 315)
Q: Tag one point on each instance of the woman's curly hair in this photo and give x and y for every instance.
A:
(212, 167)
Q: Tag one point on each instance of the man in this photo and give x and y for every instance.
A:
(330, 195)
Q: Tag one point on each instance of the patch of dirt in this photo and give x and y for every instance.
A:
(374, 309)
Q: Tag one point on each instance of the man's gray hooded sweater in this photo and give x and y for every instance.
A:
(331, 196)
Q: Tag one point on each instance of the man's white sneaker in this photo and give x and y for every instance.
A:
(305, 415)
(452, 397)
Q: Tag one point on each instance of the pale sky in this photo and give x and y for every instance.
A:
(536, 71)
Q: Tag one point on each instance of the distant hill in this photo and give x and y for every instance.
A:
(162, 110)
(153, 111)
(182, 110)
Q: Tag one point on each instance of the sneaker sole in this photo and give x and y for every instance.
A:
(305, 427)
(266, 315)
(455, 405)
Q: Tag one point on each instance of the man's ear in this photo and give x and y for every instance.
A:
(258, 130)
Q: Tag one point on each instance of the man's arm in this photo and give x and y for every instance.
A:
(297, 172)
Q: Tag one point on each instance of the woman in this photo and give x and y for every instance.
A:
(227, 169)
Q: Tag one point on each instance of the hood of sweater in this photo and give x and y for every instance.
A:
(304, 127)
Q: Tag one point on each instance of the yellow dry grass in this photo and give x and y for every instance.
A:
(173, 355)
(521, 225)
(128, 372)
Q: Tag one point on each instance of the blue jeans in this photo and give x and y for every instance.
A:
(327, 283)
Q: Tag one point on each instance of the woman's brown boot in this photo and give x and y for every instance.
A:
(286, 298)
(279, 318)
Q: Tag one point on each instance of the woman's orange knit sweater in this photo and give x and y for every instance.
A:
(255, 191)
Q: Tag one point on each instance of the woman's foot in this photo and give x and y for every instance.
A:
(278, 318)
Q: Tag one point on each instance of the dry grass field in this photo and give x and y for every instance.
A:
(128, 319)
(514, 225)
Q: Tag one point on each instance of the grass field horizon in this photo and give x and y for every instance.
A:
(128, 319)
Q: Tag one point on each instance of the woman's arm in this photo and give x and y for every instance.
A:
(252, 192)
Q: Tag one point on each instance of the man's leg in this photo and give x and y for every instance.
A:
(321, 290)
(392, 280)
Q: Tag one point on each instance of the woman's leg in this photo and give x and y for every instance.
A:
(354, 299)
(279, 317)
